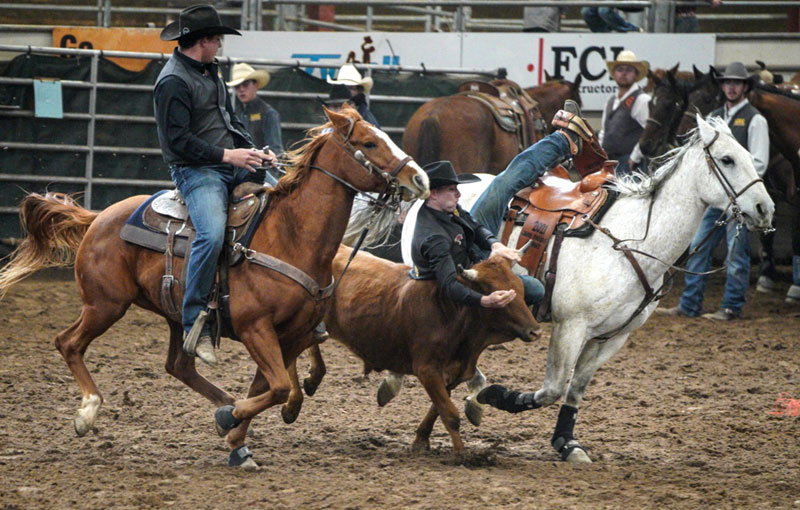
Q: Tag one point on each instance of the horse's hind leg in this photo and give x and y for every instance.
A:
(94, 320)
(182, 367)
(594, 354)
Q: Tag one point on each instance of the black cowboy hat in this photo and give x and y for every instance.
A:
(338, 94)
(442, 173)
(199, 20)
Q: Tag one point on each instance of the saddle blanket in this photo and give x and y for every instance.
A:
(135, 231)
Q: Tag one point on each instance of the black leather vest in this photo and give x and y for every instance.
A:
(621, 131)
(739, 122)
(210, 119)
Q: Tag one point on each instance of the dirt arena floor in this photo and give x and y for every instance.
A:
(689, 414)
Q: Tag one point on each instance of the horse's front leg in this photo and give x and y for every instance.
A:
(291, 409)
(566, 342)
(594, 354)
(261, 341)
(317, 370)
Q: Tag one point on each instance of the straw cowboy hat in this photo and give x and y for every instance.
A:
(628, 58)
(349, 75)
(242, 72)
(202, 20)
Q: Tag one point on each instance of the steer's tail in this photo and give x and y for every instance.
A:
(54, 226)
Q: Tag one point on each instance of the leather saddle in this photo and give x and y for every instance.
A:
(512, 108)
(167, 228)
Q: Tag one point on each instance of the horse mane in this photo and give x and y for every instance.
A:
(299, 159)
(640, 184)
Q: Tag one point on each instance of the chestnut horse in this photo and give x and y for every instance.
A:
(463, 130)
(271, 314)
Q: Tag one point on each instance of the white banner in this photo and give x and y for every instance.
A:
(526, 56)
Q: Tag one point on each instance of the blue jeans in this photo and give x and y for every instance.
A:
(523, 171)
(606, 19)
(738, 272)
(206, 190)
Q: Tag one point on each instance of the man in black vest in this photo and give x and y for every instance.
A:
(208, 152)
(750, 129)
(625, 113)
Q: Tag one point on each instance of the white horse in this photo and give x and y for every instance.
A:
(597, 290)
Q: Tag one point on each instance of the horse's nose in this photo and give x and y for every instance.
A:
(765, 212)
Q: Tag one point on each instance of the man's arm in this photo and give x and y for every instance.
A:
(436, 250)
(758, 141)
(272, 130)
(246, 141)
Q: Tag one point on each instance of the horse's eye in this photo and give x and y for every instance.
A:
(370, 145)
(726, 160)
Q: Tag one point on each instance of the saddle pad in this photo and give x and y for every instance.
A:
(135, 231)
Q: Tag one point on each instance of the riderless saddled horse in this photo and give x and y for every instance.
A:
(598, 298)
(271, 313)
(439, 129)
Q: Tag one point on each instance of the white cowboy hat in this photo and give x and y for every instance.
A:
(349, 75)
(628, 58)
(242, 72)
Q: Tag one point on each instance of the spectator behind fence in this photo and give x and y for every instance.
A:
(359, 88)
(686, 19)
(261, 120)
(542, 19)
(608, 19)
(625, 113)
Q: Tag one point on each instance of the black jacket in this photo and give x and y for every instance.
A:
(442, 241)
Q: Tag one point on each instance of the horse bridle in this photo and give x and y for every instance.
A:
(390, 176)
(725, 183)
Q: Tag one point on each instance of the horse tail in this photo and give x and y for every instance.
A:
(54, 226)
(429, 144)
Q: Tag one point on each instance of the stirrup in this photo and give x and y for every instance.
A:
(191, 338)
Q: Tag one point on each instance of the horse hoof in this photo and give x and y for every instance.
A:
(242, 457)
(420, 446)
(287, 415)
(225, 421)
(473, 410)
(309, 386)
(82, 427)
(388, 389)
(578, 456)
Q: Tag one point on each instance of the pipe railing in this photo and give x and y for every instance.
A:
(89, 180)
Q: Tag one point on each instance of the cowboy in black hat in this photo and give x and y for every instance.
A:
(444, 236)
(750, 129)
(208, 154)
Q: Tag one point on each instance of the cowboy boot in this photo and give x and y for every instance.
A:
(574, 127)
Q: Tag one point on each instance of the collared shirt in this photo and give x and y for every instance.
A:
(639, 112)
(757, 136)
(173, 109)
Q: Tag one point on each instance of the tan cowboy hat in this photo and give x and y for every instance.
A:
(242, 72)
(349, 75)
(628, 58)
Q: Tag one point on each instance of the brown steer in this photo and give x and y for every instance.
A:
(406, 326)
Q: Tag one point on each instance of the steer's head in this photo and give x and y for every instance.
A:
(515, 320)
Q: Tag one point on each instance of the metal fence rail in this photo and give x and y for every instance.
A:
(431, 15)
(89, 180)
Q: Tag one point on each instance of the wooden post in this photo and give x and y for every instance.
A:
(325, 12)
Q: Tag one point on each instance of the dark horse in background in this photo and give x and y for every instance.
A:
(675, 100)
(463, 130)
